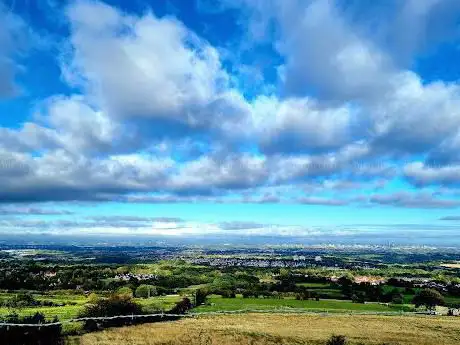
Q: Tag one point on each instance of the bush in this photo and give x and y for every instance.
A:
(337, 340)
(12, 335)
(182, 307)
(112, 306)
(115, 305)
(125, 290)
(93, 298)
(145, 291)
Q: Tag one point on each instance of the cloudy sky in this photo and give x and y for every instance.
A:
(295, 118)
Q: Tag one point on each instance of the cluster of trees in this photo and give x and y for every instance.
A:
(367, 292)
(26, 299)
(16, 275)
(127, 312)
(142, 291)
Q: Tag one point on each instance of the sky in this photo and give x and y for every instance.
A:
(233, 120)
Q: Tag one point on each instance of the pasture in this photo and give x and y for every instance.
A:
(217, 303)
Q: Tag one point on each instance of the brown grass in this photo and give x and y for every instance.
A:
(452, 265)
(271, 329)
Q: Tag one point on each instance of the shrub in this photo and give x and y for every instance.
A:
(182, 307)
(115, 305)
(112, 306)
(337, 340)
(93, 298)
(125, 290)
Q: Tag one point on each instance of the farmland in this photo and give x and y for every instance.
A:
(301, 295)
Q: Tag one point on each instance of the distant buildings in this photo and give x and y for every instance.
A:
(129, 276)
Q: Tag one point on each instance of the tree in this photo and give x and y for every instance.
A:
(200, 296)
(358, 298)
(429, 298)
(145, 291)
(397, 298)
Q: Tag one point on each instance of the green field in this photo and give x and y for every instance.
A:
(222, 304)
(63, 313)
(78, 302)
(316, 285)
(158, 303)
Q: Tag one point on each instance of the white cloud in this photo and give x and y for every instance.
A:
(299, 125)
(422, 199)
(213, 173)
(423, 175)
(413, 117)
(143, 67)
(157, 118)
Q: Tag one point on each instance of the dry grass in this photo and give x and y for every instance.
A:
(452, 265)
(262, 329)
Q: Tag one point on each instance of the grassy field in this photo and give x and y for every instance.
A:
(316, 285)
(63, 313)
(451, 265)
(78, 303)
(324, 290)
(219, 304)
(271, 329)
(158, 303)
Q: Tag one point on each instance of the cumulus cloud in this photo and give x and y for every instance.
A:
(422, 174)
(146, 68)
(153, 113)
(63, 176)
(413, 200)
(298, 125)
(323, 52)
(414, 118)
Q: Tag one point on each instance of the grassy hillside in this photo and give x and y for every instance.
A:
(271, 329)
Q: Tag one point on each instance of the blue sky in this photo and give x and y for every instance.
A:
(305, 119)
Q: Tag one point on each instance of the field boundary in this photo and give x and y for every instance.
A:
(223, 312)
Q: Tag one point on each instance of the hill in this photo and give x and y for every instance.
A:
(271, 329)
